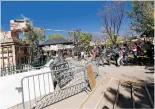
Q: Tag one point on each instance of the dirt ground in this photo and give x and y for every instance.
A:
(128, 73)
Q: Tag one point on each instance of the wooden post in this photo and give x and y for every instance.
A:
(14, 54)
(8, 56)
(2, 59)
(19, 56)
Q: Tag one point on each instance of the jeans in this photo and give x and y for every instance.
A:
(119, 60)
(125, 58)
(100, 58)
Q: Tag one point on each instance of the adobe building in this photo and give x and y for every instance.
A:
(13, 51)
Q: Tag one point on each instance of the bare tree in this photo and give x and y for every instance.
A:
(98, 39)
(112, 14)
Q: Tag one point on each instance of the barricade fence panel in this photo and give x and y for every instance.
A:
(34, 87)
(39, 90)
(20, 68)
(71, 86)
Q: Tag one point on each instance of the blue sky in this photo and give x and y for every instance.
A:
(58, 15)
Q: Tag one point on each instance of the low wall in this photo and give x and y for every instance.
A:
(9, 95)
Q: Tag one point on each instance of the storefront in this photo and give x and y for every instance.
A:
(57, 46)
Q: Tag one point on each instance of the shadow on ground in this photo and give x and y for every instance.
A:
(60, 95)
(150, 68)
(126, 101)
(148, 80)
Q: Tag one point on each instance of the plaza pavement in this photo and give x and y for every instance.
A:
(126, 73)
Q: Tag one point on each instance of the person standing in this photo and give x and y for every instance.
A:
(48, 57)
(100, 56)
(79, 55)
(134, 51)
(119, 60)
(115, 50)
(150, 52)
(125, 53)
(82, 54)
(94, 53)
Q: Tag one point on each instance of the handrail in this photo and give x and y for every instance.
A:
(79, 78)
(19, 71)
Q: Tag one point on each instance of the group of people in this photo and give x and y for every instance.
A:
(99, 54)
(120, 53)
(81, 55)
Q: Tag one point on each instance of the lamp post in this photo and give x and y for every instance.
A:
(75, 34)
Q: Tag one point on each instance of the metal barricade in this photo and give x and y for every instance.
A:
(16, 69)
(42, 92)
(70, 82)
(34, 87)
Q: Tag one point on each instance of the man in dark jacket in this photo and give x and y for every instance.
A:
(100, 56)
(115, 50)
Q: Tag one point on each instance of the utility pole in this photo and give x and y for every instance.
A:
(75, 37)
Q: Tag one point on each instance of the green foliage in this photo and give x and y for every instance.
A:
(56, 35)
(142, 16)
(26, 40)
(85, 39)
(130, 38)
(119, 39)
(33, 36)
